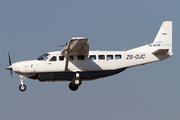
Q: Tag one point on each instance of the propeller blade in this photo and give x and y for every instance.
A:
(11, 74)
(10, 65)
(9, 58)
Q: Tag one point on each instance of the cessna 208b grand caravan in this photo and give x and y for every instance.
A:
(75, 63)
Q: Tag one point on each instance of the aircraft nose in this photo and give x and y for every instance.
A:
(9, 67)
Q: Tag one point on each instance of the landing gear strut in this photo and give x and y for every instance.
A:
(22, 87)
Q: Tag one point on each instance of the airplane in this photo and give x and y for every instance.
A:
(75, 63)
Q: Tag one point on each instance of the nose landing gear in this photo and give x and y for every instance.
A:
(22, 87)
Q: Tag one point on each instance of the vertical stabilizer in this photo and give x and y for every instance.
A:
(162, 41)
(164, 36)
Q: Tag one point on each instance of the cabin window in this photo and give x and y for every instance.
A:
(117, 56)
(53, 58)
(61, 58)
(71, 57)
(101, 57)
(43, 57)
(80, 57)
(92, 57)
(109, 57)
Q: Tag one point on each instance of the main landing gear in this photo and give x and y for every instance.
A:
(22, 87)
(75, 83)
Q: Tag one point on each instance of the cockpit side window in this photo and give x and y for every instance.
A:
(43, 57)
(53, 58)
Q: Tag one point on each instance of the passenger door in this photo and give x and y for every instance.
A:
(51, 65)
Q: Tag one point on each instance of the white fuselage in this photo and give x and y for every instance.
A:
(96, 61)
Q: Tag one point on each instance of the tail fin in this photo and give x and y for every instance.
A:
(164, 36)
(162, 43)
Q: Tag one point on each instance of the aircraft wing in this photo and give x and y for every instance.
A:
(76, 46)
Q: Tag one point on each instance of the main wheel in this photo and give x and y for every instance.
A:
(76, 81)
(22, 88)
(72, 87)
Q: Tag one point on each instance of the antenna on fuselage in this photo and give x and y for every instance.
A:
(62, 45)
(124, 48)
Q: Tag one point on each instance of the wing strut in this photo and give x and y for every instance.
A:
(67, 56)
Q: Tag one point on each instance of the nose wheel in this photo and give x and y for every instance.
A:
(22, 87)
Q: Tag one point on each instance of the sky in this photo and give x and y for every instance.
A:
(29, 29)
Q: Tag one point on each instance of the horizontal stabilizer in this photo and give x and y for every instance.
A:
(160, 51)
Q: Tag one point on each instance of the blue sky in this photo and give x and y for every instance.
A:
(31, 28)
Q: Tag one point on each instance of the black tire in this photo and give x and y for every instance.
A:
(72, 87)
(76, 81)
(22, 88)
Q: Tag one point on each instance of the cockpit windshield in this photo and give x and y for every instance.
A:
(43, 57)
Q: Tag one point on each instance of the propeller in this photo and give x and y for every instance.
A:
(9, 67)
